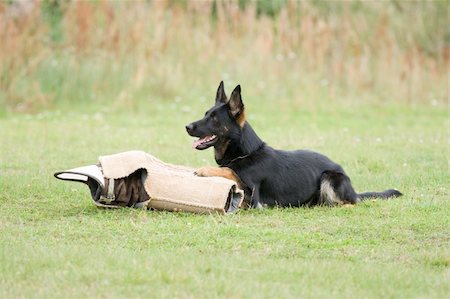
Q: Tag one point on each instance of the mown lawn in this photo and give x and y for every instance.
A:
(55, 243)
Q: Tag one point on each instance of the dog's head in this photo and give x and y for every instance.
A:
(222, 123)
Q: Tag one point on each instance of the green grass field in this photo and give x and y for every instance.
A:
(364, 82)
(55, 243)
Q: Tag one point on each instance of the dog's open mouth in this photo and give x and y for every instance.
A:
(204, 142)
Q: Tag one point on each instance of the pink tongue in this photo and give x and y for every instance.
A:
(198, 142)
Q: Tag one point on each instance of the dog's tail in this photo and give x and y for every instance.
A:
(383, 195)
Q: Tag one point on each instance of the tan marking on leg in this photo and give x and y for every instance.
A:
(224, 172)
(327, 195)
(348, 205)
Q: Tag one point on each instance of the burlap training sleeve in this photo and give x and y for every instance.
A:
(173, 187)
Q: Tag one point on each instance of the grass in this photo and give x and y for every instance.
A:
(55, 243)
(365, 83)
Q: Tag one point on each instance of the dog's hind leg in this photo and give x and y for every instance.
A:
(336, 189)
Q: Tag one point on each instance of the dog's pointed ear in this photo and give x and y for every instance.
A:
(221, 97)
(235, 103)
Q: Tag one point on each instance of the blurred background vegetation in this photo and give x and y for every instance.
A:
(85, 55)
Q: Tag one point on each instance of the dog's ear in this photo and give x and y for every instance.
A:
(221, 97)
(235, 103)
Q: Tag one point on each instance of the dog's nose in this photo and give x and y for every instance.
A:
(190, 128)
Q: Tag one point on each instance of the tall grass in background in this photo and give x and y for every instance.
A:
(57, 54)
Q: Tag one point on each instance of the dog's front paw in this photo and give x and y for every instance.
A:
(205, 171)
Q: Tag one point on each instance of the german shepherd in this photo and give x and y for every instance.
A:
(269, 177)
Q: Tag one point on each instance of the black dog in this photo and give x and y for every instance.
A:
(268, 176)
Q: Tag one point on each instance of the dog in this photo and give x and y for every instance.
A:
(269, 177)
